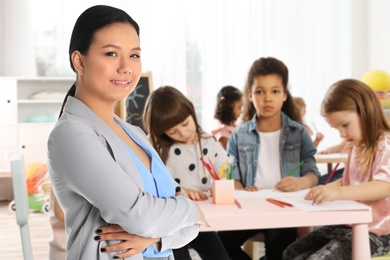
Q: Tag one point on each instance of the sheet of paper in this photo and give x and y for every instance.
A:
(297, 199)
(337, 205)
(269, 193)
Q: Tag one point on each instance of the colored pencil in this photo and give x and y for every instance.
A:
(275, 202)
(221, 171)
(296, 168)
(282, 202)
(212, 166)
(208, 167)
(331, 174)
(237, 203)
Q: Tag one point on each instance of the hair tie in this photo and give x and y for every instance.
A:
(222, 98)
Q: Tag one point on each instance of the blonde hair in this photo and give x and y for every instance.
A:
(353, 95)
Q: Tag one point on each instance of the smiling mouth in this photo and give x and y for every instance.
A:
(122, 82)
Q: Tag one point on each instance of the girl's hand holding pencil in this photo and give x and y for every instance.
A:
(320, 193)
(290, 183)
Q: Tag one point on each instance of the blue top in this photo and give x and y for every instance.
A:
(98, 182)
(295, 145)
(156, 182)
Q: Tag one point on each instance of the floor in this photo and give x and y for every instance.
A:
(11, 247)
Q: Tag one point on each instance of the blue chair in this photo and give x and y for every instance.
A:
(21, 202)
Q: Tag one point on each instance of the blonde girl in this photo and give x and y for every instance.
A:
(351, 107)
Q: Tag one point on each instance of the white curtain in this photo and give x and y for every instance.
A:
(17, 54)
(198, 46)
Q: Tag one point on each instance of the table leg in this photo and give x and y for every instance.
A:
(360, 242)
(330, 168)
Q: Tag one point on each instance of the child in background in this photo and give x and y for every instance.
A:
(170, 120)
(300, 103)
(354, 110)
(266, 148)
(338, 148)
(227, 111)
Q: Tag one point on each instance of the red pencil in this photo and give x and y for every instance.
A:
(237, 203)
(282, 202)
(208, 167)
(331, 174)
(275, 202)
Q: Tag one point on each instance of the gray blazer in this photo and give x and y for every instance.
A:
(97, 182)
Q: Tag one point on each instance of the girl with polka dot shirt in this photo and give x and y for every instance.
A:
(170, 120)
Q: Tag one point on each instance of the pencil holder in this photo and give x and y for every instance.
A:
(223, 191)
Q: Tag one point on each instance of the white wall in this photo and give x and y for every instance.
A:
(378, 35)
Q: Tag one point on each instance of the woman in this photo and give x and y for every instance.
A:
(104, 170)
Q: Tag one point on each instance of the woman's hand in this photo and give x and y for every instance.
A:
(321, 193)
(132, 243)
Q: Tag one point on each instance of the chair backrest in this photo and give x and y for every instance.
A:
(21, 202)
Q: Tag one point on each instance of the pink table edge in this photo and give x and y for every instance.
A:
(256, 213)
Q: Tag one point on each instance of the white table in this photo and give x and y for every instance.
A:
(331, 158)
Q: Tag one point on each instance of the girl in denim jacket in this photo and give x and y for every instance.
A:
(267, 147)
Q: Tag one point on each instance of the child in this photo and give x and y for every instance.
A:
(338, 148)
(227, 111)
(170, 120)
(267, 147)
(354, 110)
(300, 103)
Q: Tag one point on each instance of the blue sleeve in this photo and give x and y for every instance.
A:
(232, 149)
(307, 153)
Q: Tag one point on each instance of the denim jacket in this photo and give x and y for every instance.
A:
(295, 145)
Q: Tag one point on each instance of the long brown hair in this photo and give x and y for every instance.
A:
(353, 95)
(165, 108)
(263, 67)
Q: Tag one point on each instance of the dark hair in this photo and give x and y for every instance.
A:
(71, 92)
(92, 20)
(264, 67)
(225, 99)
(353, 95)
(89, 22)
(165, 108)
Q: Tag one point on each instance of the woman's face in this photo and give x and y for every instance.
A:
(184, 133)
(112, 67)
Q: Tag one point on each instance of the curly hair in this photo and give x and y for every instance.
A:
(225, 100)
(263, 67)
